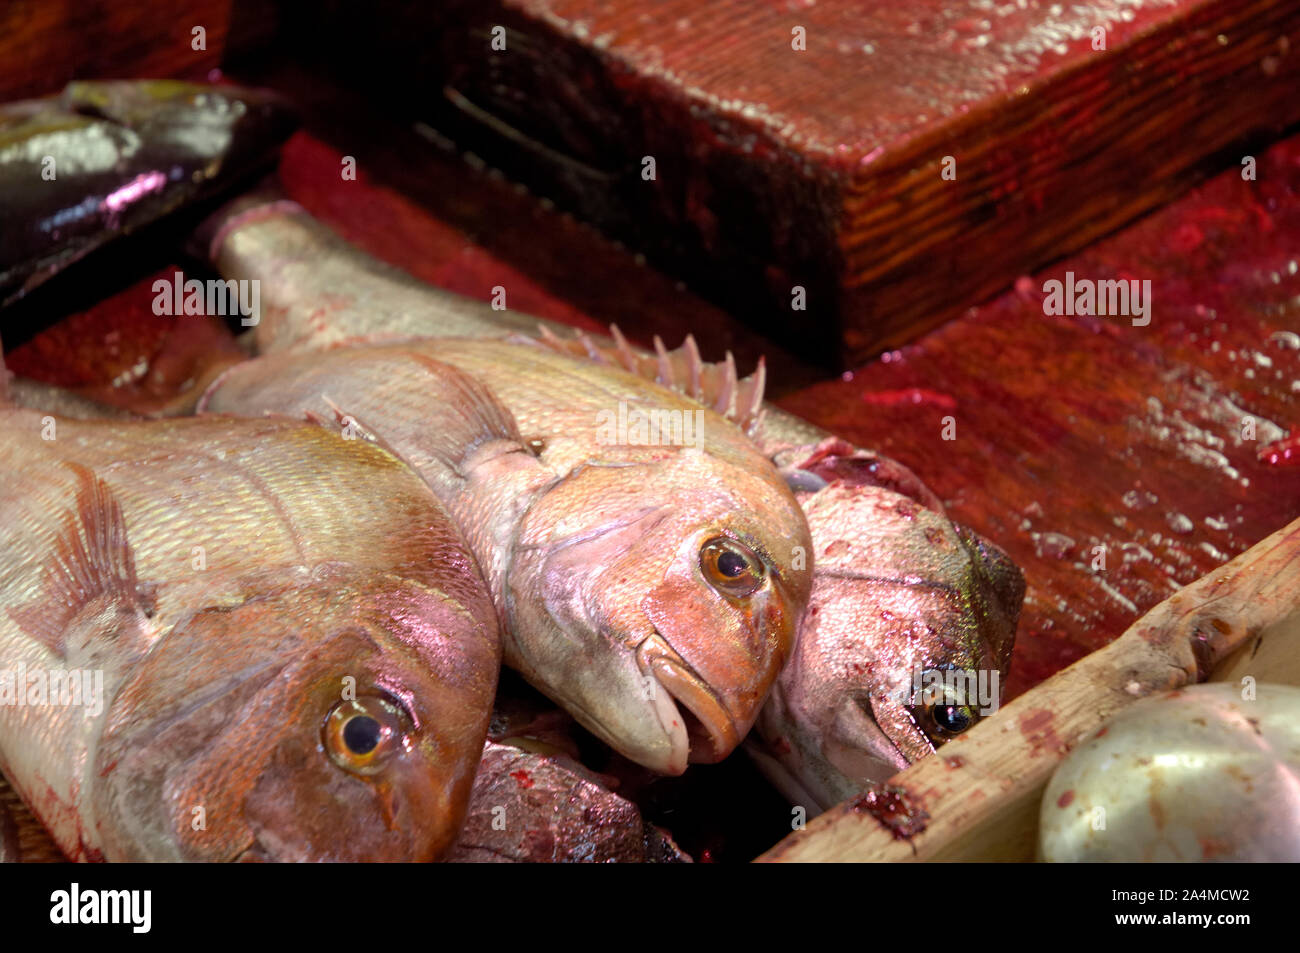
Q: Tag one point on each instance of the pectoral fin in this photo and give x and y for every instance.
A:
(90, 565)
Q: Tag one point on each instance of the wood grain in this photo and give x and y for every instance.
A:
(46, 43)
(821, 168)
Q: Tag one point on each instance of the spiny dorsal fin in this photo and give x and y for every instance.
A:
(715, 385)
(91, 559)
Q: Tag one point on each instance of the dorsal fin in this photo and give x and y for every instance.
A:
(91, 559)
(715, 385)
(468, 414)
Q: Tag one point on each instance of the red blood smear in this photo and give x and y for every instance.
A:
(1066, 799)
(1038, 728)
(525, 780)
(1105, 432)
(892, 806)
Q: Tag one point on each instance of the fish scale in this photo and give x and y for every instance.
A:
(592, 547)
(326, 293)
(318, 560)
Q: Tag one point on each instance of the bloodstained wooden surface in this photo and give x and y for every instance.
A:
(1071, 432)
(46, 43)
(1077, 432)
(822, 167)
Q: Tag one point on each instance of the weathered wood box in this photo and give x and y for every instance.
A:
(844, 175)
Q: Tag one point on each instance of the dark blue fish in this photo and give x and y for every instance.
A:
(106, 158)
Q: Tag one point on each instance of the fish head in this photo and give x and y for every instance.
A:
(667, 587)
(310, 722)
(905, 645)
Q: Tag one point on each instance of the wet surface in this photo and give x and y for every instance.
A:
(1078, 432)
(1070, 432)
(893, 161)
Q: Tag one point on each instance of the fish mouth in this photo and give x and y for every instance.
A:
(905, 737)
(710, 731)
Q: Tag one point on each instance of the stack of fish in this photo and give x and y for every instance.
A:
(667, 558)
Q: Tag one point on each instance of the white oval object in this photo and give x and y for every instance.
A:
(1199, 774)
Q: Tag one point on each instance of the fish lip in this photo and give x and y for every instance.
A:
(686, 687)
(869, 709)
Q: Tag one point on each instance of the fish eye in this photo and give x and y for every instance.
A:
(953, 719)
(944, 720)
(361, 733)
(731, 568)
(944, 717)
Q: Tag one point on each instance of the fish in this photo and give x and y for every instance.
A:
(267, 643)
(104, 158)
(960, 610)
(652, 590)
(902, 596)
(61, 402)
(534, 807)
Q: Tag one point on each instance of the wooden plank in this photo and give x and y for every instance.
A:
(823, 167)
(978, 799)
(46, 43)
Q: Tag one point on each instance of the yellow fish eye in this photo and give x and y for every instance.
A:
(361, 734)
(731, 568)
